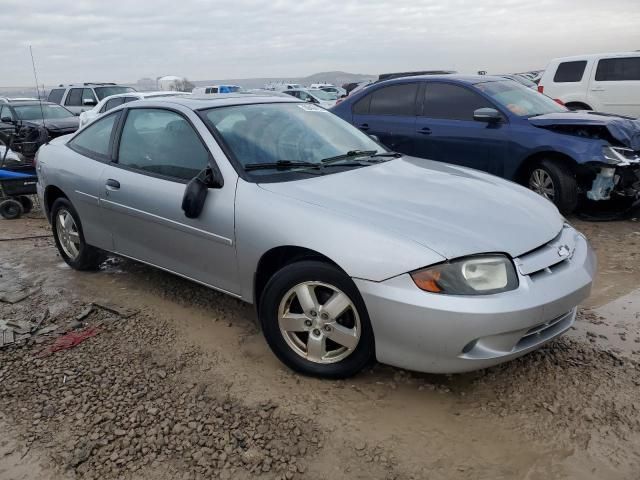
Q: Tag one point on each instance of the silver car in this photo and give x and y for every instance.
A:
(349, 252)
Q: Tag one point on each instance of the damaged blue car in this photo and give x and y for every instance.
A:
(501, 127)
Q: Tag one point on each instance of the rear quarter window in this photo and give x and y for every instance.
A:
(55, 95)
(570, 71)
(618, 69)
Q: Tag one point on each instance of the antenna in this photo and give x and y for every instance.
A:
(35, 75)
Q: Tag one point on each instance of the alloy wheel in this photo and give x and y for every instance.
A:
(67, 232)
(540, 182)
(319, 322)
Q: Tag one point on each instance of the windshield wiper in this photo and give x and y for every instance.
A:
(359, 153)
(280, 165)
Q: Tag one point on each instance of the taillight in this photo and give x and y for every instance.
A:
(557, 100)
(338, 101)
(541, 88)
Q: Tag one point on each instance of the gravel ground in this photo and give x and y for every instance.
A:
(186, 388)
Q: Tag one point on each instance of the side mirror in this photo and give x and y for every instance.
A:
(77, 114)
(488, 115)
(88, 101)
(195, 193)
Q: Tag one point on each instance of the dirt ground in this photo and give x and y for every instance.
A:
(178, 383)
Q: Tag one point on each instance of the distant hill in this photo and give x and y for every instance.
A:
(336, 78)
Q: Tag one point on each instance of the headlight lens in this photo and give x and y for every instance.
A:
(479, 275)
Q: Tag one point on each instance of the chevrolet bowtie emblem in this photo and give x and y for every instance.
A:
(563, 251)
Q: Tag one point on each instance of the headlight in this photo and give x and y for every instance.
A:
(617, 155)
(478, 275)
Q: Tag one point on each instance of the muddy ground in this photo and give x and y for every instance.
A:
(178, 383)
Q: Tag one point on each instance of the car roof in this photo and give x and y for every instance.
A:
(593, 56)
(197, 102)
(468, 79)
(163, 93)
(30, 102)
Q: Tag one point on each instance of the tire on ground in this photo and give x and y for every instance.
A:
(10, 208)
(275, 290)
(27, 203)
(564, 183)
(89, 257)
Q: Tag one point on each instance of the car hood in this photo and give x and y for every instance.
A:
(57, 123)
(451, 210)
(625, 130)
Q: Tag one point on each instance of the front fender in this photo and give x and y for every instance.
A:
(266, 220)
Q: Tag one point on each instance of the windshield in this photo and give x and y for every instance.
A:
(520, 100)
(103, 92)
(33, 112)
(297, 132)
(322, 95)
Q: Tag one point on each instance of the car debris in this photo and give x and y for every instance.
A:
(70, 340)
(16, 331)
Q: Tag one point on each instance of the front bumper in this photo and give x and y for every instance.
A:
(436, 333)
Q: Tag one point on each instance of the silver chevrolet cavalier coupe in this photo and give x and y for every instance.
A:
(350, 252)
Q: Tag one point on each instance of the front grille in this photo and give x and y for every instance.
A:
(549, 257)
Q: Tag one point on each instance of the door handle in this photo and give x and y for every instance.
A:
(112, 184)
(425, 131)
(363, 126)
(600, 89)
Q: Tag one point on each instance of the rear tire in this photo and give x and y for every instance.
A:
(556, 182)
(315, 321)
(69, 238)
(27, 203)
(10, 209)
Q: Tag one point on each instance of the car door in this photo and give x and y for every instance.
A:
(448, 133)
(159, 151)
(80, 99)
(615, 86)
(389, 114)
(91, 151)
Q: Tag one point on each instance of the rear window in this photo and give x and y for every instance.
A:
(570, 72)
(392, 100)
(618, 69)
(55, 95)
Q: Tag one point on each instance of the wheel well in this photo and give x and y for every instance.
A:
(51, 194)
(277, 258)
(530, 162)
(578, 105)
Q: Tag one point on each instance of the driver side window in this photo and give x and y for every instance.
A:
(161, 142)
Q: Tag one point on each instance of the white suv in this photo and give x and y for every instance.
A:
(85, 96)
(606, 82)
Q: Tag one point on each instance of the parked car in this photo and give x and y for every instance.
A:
(279, 87)
(520, 79)
(506, 129)
(319, 97)
(338, 91)
(114, 101)
(85, 96)
(216, 89)
(57, 120)
(605, 82)
(348, 251)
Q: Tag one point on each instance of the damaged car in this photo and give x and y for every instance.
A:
(499, 126)
(54, 119)
(349, 251)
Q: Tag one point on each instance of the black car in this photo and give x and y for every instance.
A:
(56, 119)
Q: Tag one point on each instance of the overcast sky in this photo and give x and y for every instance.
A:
(124, 40)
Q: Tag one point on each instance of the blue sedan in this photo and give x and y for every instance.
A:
(501, 127)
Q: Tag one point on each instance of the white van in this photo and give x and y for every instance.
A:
(605, 82)
(216, 89)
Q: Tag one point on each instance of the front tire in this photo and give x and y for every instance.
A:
(69, 238)
(315, 320)
(556, 182)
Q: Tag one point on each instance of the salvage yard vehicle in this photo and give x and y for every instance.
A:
(317, 96)
(56, 120)
(84, 96)
(216, 89)
(113, 101)
(349, 251)
(506, 129)
(604, 82)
